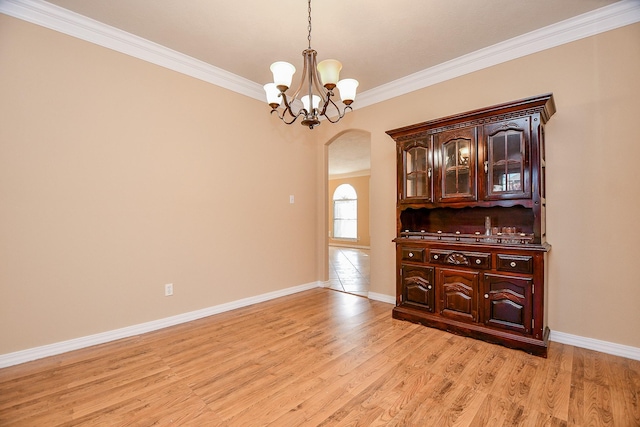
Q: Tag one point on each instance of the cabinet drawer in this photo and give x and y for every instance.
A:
(438, 257)
(515, 263)
(413, 254)
(480, 260)
(461, 258)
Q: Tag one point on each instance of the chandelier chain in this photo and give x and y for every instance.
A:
(309, 26)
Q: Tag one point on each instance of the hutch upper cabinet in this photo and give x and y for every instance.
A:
(471, 246)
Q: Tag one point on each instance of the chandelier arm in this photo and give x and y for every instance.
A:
(317, 82)
(324, 108)
(326, 104)
(287, 107)
(283, 117)
(340, 114)
(306, 53)
(288, 110)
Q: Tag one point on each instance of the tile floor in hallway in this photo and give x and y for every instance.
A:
(349, 270)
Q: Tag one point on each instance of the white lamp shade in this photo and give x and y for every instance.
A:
(282, 73)
(347, 88)
(305, 102)
(329, 70)
(273, 94)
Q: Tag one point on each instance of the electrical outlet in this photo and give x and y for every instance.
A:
(168, 289)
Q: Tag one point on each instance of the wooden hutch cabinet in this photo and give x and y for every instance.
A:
(471, 247)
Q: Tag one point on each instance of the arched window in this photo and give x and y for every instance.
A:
(345, 212)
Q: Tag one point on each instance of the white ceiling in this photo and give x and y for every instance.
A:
(377, 41)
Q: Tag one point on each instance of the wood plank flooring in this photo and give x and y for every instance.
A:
(318, 358)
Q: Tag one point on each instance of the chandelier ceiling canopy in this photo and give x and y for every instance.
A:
(317, 84)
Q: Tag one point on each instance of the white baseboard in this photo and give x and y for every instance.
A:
(561, 337)
(382, 297)
(347, 245)
(597, 345)
(23, 356)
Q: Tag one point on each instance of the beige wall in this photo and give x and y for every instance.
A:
(118, 176)
(592, 192)
(361, 185)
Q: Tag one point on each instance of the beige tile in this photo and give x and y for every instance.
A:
(349, 270)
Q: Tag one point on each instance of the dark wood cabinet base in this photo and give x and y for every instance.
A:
(529, 345)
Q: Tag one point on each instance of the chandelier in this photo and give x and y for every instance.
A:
(317, 84)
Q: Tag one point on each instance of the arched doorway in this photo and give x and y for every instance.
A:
(349, 170)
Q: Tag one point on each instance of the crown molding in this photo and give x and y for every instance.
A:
(607, 18)
(619, 14)
(73, 24)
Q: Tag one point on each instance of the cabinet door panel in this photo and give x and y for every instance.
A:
(456, 152)
(508, 302)
(417, 287)
(416, 170)
(507, 159)
(458, 294)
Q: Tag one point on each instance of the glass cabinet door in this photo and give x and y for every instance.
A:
(506, 165)
(457, 165)
(417, 170)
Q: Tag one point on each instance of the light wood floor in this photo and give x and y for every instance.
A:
(319, 357)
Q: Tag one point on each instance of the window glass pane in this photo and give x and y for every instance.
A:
(345, 191)
(345, 229)
(345, 209)
(345, 212)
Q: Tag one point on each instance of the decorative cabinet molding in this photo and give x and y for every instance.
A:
(471, 244)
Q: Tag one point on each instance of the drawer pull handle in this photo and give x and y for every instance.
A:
(410, 254)
(486, 296)
(435, 257)
(429, 287)
(513, 264)
(478, 261)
